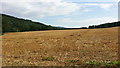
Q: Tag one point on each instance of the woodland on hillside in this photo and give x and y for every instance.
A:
(14, 24)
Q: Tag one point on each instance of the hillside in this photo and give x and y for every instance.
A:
(60, 47)
(106, 25)
(13, 24)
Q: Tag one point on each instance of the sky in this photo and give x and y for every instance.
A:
(64, 13)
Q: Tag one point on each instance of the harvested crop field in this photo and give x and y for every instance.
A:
(60, 47)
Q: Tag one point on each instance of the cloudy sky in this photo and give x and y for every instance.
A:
(65, 13)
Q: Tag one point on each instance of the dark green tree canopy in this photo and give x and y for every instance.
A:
(13, 24)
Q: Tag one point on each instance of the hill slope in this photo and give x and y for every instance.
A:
(13, 24)
(106, 25)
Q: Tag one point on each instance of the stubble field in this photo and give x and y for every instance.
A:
(59, 47)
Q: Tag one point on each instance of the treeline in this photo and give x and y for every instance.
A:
(13, 24)
(106, 25)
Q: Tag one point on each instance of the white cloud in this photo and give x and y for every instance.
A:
(87, 10)
(38, 8)
(105, 6)
(62, 0)
(92, 0)
(31, 0)
(87, 22)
